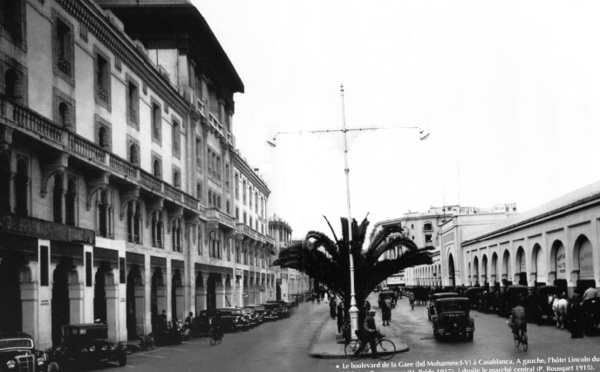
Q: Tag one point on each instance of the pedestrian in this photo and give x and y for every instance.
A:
(312, 297)
(387, 312)
(340, 316)
(332, 307)
(576, 317)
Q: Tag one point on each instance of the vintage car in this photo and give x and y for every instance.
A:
(452, 318)
(434, 298)
(87, 343)
(509, 299)
(284, 309)
(259, 312)
(233, 319)
(271, 311)
(538, 306)
(17, 353)
(253, 317)
(475, 296)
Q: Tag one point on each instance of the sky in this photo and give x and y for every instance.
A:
(509, 91)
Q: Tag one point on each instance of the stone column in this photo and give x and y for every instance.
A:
(76, 301)
(112, 311)
(179, 300)
(220, 292)
(200, 299)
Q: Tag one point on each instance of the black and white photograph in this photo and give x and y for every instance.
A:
(291, 186)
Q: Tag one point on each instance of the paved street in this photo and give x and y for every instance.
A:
(283, 346)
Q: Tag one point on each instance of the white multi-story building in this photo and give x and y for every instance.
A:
(117, 161)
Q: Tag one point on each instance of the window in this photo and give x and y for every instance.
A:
(156, 123)
(12, 20)
(57, 198)
(103, 133)
(215, 244)
(237, 214)
(227, 175)
(244, 193)
(71, 202)
(199, 153)
(134, 222)
(176, 179)
(63, 48)
(176, 235)
(199, 191)
(14, 85)
(199, 247)
(134, 154)
(157, 166)
(228, 207)
(103, 214)
(428, 226)
(102, 81)
(176, 139)
(428, 238)
(237, 186)
(22, 187)
(157, 229)
(5, 176)
(133, 104)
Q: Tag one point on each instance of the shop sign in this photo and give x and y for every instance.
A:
(238, 272)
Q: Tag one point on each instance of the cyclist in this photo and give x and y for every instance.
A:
(215, 327)
(518, 320)
(370, 334)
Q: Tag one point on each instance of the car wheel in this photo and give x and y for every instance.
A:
(122, 359)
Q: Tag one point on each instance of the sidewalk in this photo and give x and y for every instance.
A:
(325, 345)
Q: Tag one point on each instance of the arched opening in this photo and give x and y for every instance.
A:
(245, 295)
(134, 280)
(583, 261)
(134, 156)
(11, 318)
(559, 265)
(494, 272)
(506, 272)
(61, 309)
(103, 219)
(451, 271)
(176, 296)
(102, 278)
(103, 140)
(156, 169)
(211, 295)
(70, 202)
(538, 266)
(476, 271)
(157, 302)
(278, 292)
(521, 266)
(484, 273)
(22, 187)
(64, 115)
(57, 198)
(5, 182)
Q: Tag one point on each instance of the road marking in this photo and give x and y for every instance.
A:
(172, 348)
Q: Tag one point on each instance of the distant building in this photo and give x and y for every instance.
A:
(425, 229)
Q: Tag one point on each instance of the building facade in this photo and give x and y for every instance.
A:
(290, 282)
(431, 229)
(117, 160)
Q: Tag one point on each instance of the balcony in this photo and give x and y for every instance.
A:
(25, 121)
(217, 219)
(216, 124)
(16, 224)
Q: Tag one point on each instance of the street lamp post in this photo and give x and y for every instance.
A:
(422, 136)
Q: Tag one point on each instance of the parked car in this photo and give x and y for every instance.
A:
(259, 312)
(539, 309)
(253, 317)
(452, 318)
(510, 298)
(591, 315)
(475, 296)
(233, 319)
(284, 310)
(434, 298)
(87, 343)
(271, 311)
(17, 353)
(201, 324)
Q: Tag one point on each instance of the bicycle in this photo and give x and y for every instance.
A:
(520, 339)
(385, 348)
(216, 336)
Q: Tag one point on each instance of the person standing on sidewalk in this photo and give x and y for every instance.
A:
(340, 316)
(387, 311)
(332, 307)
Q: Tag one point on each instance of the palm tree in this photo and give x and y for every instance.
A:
(327, 260)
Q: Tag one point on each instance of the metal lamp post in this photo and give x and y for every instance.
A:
(423, 135)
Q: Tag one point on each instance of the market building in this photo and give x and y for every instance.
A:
(118, 169)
